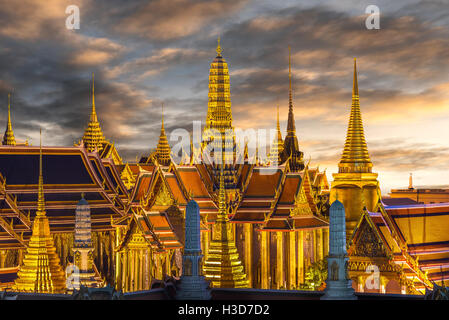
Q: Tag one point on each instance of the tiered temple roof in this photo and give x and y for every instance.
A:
(69, 171)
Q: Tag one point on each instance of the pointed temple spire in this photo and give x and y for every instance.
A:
(291, 146)
(219, 132)
(219, 114)
(41, 270)
(93, 136)
(223, 266)
(93, 115)
(355, 158)
(163, 148)
(8, 137)
(410, 182)
(218, 47)
(278, 144)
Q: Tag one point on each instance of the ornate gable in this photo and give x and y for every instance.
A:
(367, 242)
(163, 196)
(302, 207)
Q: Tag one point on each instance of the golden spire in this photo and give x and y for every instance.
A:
(8, 137)
(223, 266)
(355, 158)
(218, 47)
(291, 146)
(218, 131)
(278, 128)
(41, 270)
(93, 136)
(93, 115)
(277, 149)
(163, 148)
(290, 95)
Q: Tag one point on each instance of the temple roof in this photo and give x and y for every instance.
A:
(68, 171)
(417, 237)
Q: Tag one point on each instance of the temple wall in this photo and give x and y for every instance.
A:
(279, 260)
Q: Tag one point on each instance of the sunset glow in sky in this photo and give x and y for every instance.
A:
(146, 52)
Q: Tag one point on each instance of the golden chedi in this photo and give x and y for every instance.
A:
(355, 185)
(223, 266)
(41, 271)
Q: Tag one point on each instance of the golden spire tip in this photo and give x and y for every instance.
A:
(355, 85)
(219, 50)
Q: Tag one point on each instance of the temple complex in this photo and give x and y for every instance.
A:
(259, 224)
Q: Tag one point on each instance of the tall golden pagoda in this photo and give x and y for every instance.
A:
(163, 148)
(219, 132)
(219, 113)
(93, 136)
(355, 185)
(291, 147)
(223, 266)
(277, 148)
(8, 137)
(41, 270)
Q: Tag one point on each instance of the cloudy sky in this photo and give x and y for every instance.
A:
(146, 52)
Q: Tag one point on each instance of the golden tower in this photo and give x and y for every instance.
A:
(223, 266)
(219, 114)
(8, 137)
(291, 147)
(355, 185)
(163, 148)
(277, 148)
(218, 132)
(93, 136)
(41, 270)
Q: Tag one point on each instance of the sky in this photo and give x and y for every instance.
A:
(144, 53)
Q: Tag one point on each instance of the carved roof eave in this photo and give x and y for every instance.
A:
(278, 192)
(142, 174)
(98, 186)
(173, 168)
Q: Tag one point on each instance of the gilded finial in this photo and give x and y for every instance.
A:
(355, 85)
(218, 47)
(82, 195)
(163, 116)
(93, 116)
(163, 148)
(290, 65)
